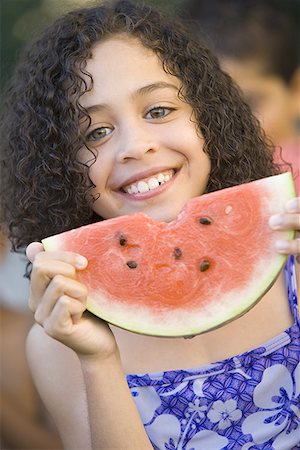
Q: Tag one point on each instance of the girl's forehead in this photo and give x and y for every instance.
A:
(121, 63)
(114, 47)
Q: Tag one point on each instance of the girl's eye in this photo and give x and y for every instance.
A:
(158, 112)
(99, 133)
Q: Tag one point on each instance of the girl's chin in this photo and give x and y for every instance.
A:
(163, 214)
(164, 210)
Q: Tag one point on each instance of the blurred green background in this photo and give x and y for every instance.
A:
(22, 19)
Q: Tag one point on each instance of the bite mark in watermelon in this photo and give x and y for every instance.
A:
(208, 266)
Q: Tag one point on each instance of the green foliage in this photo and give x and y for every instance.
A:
(12, 42)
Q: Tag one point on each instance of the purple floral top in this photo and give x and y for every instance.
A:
(250, 401)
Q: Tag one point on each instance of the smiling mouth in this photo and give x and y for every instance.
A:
(150, 183)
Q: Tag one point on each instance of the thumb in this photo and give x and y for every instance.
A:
(33, 249)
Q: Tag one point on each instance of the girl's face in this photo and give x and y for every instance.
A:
(149, 156)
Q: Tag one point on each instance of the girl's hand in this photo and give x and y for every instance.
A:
(289, 220)
(58, 301)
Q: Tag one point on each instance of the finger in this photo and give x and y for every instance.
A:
(78, 261)
(293, 205)
(291, 247)
(33, 249)
(48, 264)
(59, 286)
(285, 222)
(61, 322)
(42, 274)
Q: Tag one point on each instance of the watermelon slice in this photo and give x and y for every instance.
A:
(205, 268)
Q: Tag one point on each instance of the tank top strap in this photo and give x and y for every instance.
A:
(291, 282)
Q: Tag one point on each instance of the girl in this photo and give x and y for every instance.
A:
(111, 96)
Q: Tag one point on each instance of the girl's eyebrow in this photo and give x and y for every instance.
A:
(139, 92)
(153, 87)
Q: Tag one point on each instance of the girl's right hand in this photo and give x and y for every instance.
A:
(58, 302)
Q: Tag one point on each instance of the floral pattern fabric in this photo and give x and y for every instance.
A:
(248, 402)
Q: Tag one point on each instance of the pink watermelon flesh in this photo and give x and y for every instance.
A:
(205, 268)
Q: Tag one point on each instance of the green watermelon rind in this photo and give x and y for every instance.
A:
(186, 324)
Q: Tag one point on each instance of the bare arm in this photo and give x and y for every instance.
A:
(58, 377)
(114, 419)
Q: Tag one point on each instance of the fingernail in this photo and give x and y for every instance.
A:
(292, 206)
(275, 221)
(282, 246)
(81, 262)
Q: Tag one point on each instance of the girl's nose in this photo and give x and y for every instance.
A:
(135, 144)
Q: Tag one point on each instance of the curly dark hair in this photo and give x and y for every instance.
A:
(44, 186)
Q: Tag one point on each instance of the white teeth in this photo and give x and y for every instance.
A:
(153, 183)
(143, 186)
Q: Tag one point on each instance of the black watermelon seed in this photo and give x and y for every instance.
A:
(122, 240)
(132, 264)
(204, 265)
(204, 221)
(177, 253)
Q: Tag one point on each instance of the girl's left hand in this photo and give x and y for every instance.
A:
(289, 220)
